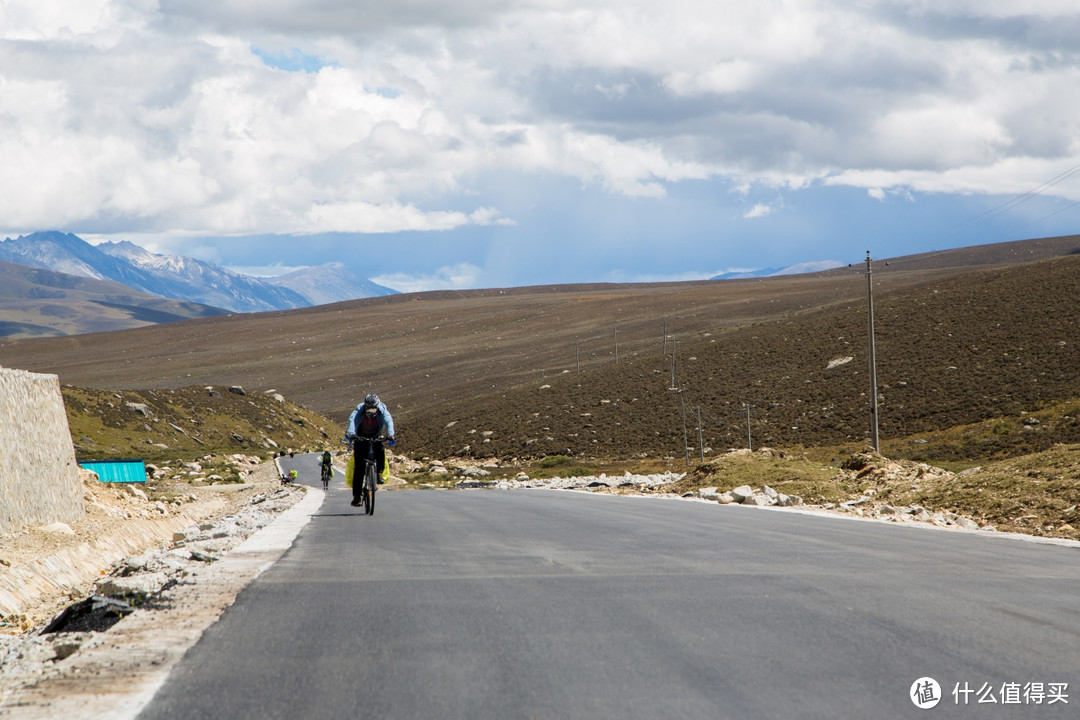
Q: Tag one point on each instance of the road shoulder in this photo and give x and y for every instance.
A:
(116, 673)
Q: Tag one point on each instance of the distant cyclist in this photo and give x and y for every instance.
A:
(369, 420)
(326, 468)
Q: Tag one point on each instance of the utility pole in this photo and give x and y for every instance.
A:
(685, 437)
(672, 364)
(700, 440)
(873, 358)
(578, 355)
(749, 440)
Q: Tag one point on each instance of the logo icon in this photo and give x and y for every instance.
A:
(925, 693)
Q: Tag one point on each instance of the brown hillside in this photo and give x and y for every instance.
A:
(953, 351)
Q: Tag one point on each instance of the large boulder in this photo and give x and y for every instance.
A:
(741, 493)
(863, 460)
(133, 588)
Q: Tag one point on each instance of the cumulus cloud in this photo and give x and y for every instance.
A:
(270, 271)
(810, 267)
(244, 117)
(348, 17)
(759, 210)
(461, 276)
(624, 276)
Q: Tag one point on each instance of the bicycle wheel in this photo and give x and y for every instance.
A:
(369, 489)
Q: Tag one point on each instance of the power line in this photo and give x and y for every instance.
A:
(1000, 209)
(1070, 206)
(1015, 201)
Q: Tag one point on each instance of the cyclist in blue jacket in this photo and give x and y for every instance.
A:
(369, 420)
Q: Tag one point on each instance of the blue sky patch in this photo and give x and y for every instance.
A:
(291, 60)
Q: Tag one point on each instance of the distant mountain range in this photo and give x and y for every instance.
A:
(324, 284)
(185, 278)
(808, 267)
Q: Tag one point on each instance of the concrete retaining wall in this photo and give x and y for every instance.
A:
(39, 478)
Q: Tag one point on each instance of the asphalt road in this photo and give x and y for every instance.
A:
(545, 604)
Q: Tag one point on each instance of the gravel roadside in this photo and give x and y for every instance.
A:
(168, 594)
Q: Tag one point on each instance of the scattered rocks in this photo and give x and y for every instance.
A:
(590, 482)
(132, 588)
(136, 491)
(139, 408)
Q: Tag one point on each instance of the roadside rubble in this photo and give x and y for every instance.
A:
(43, 566)
(143, 583)
(746, 495)
(474, 478)
(868, 466)
(879, 473)
(863, 507)
(883, 473)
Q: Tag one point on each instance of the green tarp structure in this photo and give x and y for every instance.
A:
(118, 471)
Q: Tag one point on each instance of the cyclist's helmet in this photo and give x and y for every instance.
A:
(371, 403)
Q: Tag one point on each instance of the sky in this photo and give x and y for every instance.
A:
(433, 144)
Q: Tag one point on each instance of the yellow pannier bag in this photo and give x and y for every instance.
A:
(350, 470)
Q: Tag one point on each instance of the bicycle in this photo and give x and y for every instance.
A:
(327, 472)
(368, 479)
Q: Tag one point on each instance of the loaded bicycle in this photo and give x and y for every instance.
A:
(367, 473)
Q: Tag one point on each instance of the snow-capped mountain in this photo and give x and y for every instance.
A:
(323, 284)
(206, 282)
(72, 255)
(746, 274)
(184, 278)
(801, 268)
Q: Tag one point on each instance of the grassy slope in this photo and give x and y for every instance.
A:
(189, 422)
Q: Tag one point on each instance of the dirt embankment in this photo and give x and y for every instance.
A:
(45, 567)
